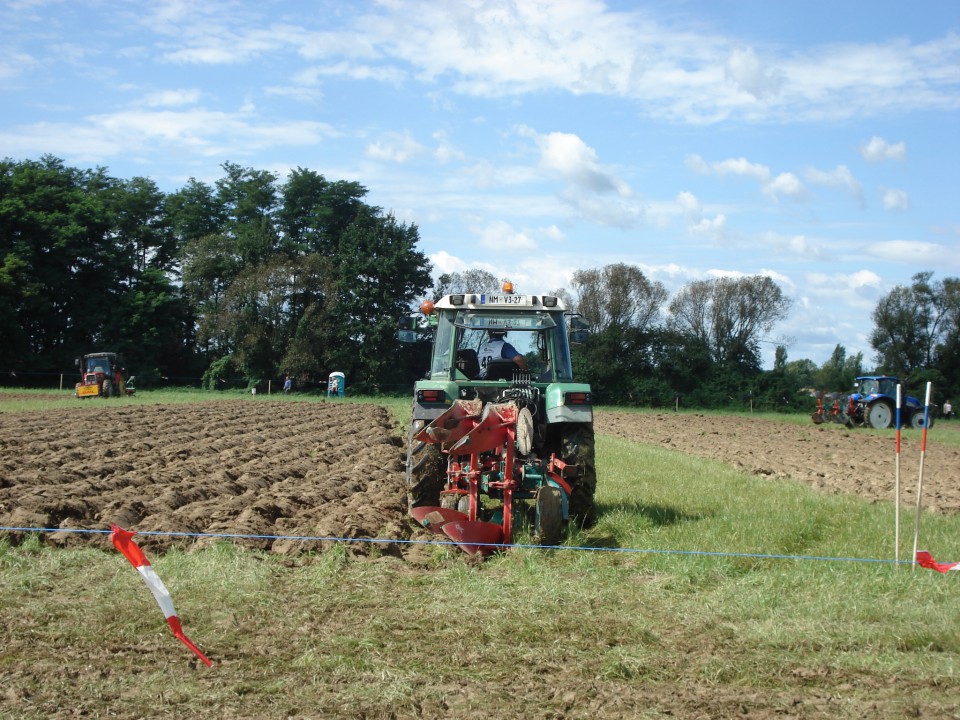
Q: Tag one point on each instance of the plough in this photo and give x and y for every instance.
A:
(494, 477)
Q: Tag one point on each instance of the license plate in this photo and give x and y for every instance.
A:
(505, 299)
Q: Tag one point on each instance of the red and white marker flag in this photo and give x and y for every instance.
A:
(925, 559)
(123, 541)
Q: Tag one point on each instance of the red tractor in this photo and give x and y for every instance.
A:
(102, 375)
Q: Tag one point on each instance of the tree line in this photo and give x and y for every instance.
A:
(254, 277)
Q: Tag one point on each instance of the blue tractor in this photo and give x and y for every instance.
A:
(873, 403)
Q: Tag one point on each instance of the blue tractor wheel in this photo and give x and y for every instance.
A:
(916, 420)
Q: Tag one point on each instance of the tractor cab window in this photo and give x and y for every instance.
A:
(537, 336)
(869, 387)
(888, 386)
(97, 365)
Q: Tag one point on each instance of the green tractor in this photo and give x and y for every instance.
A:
(500, 432)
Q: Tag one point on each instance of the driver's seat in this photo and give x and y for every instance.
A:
(499, 370)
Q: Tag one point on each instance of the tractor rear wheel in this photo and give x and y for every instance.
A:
(879, 415)
(576, 443)
(426, 469)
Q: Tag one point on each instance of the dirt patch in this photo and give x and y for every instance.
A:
(246, 467)
(831, 457)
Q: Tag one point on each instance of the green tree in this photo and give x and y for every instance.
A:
(143, 228)
(472, 280)
(315, 212)
(728, 315)
(61, 269)
(379, 274)
(911, 323)
(194, 212)
(617, 297)
(838, 373)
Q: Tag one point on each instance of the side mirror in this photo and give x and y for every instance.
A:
(407, 336)
(578, 329)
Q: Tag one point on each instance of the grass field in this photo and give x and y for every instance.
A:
(673, 604)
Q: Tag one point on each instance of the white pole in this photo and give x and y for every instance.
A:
(923, 450)
(896, 500)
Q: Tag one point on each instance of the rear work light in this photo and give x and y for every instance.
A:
(549, 301)
(431, 396)
(577, 398)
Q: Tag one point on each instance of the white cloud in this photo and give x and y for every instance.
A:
(14, 63)
(697, 224)
(172, 98)
(778, 277)
(196, 132)
(576, 162)
(877, 149)
(446, 151)
(860, 289)
(747, 72)
(786, 184)
(742, 166)
(697, 164)
(395, 147)
(593, 190)
(349, 71)
(444, 262)
(683, 72)
(912, 252)
(840, 177)
(895, 199)
(709, 228)
(689, 205)
(501, 237)
(797, 245)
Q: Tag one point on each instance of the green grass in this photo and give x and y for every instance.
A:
(601, 632)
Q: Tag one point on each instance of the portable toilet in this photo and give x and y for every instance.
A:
(335, 384)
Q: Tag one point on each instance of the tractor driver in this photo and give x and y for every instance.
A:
(495, 349)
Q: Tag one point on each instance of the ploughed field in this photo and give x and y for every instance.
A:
(249, 467)
(828, 457)
(335, 470)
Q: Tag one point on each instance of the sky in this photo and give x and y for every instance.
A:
(814, 142)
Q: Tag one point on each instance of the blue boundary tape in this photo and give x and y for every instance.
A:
(388, 541)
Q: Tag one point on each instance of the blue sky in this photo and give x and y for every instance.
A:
(814, 142)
